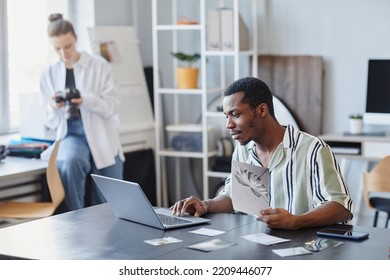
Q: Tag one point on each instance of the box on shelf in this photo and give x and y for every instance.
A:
(188, 137)
(227, 35)
(220, 27)
(214, 30)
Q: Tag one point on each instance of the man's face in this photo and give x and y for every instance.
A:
(240, 118)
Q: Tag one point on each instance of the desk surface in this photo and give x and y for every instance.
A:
(95, 233)
(12, 167)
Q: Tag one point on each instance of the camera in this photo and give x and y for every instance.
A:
(3, 152)
(66, 95)
(71, 109)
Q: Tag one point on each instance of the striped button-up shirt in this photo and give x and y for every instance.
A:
(304, 173)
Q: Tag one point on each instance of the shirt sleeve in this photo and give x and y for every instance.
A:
(52, 118)
(105, 102)
(328, 182)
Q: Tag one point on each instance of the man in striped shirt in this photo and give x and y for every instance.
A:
(306, 187)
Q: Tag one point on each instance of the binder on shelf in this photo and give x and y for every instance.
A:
(214, 30)
(227, 31)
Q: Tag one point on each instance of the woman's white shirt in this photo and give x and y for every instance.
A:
(99, 110)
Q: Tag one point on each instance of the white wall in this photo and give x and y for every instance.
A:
(129, 12)
(345, 32)
(81, 13)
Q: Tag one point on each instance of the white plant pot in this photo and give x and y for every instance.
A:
(355, 126)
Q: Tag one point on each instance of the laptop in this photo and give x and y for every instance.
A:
(129, 202)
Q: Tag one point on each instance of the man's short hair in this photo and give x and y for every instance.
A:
(255, 92)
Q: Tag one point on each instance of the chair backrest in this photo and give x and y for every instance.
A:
(53, 178)
(378, 179)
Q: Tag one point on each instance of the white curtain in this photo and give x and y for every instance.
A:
(24, 52)
(4, 100)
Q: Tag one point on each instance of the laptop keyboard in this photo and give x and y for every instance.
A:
(169, 220)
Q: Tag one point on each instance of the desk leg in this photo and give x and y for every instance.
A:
(345, 166)
(178, 173)
(164, 184)
(360, 193)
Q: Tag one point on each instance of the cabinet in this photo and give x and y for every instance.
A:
(186, 117)
(358, 147)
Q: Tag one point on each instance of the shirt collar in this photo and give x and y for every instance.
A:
(83, 61)
(251, 146)
(289, 137)
(288, 142)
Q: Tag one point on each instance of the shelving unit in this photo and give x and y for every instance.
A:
(217, 69)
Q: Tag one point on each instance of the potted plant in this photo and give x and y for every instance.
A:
(187, 77)
(356, 123)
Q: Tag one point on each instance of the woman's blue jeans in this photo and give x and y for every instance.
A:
(75, 164)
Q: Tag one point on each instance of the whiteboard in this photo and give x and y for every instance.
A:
(119, 46)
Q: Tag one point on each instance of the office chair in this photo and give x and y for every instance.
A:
(377, 189)
(33, 210)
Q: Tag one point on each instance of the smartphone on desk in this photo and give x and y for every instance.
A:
(341, 233)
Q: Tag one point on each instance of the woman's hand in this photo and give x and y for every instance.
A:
(78, 101)
(55, 103)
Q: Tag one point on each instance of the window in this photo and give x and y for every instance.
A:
(25, 52)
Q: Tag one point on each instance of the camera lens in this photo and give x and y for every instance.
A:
(72, 109)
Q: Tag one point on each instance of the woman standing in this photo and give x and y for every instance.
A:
(81, 102)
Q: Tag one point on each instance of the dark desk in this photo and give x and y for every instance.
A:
(374, 248)
(95, 233)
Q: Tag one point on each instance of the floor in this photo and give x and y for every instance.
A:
(369, 221)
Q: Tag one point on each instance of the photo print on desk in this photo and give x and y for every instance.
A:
(163, 241)
(211, 245)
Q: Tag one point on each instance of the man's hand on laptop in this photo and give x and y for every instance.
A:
(192, 205)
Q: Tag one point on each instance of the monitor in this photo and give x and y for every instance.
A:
(378, 93)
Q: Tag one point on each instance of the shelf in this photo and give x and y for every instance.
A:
(218, 174)
(179, 91)
(215, 114)
(183, 154)
(186, 127)
(188, 91)
(177, 27)
(230, 53)
(218, 68)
